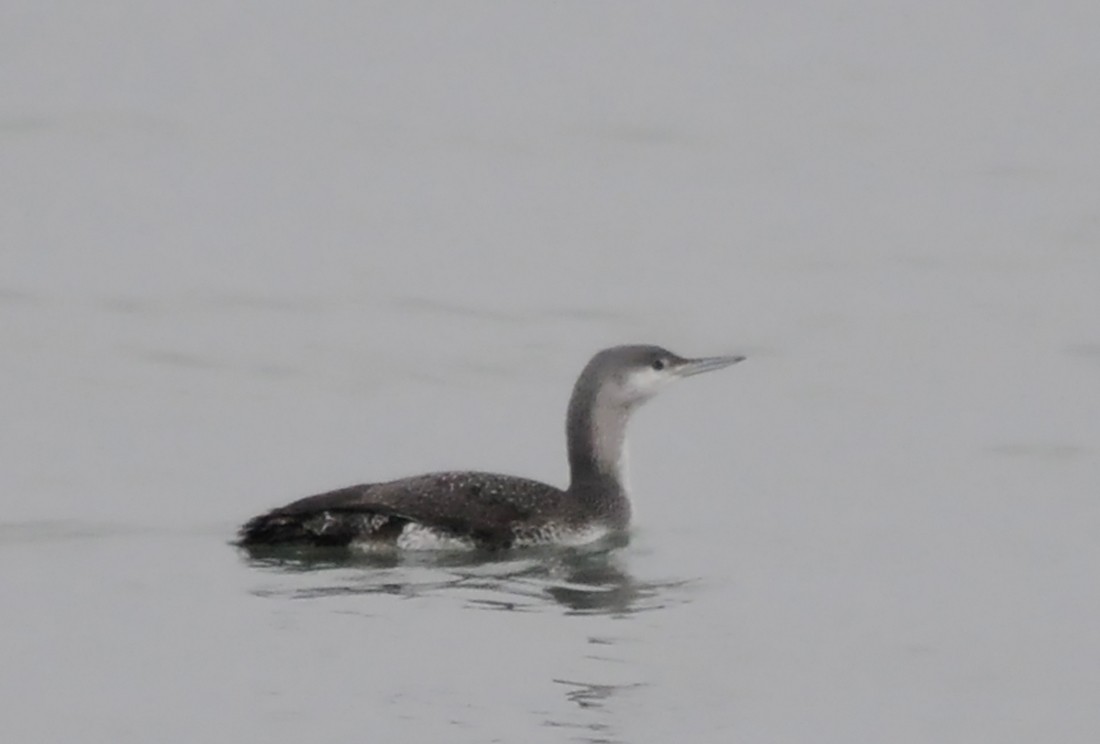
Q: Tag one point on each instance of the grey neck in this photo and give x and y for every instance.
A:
(596, 432)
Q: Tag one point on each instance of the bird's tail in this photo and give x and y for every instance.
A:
(277, 527)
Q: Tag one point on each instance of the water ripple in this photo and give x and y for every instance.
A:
(578, 581)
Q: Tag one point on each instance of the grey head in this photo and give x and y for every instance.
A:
(612, 386)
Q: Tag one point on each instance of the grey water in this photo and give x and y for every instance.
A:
(249, 252)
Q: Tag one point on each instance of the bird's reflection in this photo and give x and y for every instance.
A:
(588, 580)
(595, 723)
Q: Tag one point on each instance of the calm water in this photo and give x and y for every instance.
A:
(251, 253)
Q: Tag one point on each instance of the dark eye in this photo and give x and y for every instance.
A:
(658, 364)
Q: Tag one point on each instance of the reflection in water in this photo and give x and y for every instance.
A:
(591, 699)
(589, 580)
(581, 581)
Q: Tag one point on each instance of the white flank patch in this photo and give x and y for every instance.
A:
(418, 537)
(569, 538)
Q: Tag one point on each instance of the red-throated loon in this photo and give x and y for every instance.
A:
(473, 509)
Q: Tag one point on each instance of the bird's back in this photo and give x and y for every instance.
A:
(471, 509)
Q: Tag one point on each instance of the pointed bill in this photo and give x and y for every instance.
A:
(689, 367)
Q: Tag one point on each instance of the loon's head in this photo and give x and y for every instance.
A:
(613, 384)
(624, 377)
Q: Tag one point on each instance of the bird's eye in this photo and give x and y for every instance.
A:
(658, 364)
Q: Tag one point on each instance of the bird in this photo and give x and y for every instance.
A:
(481, 510)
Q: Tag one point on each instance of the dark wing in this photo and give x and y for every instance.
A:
(480, 506)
